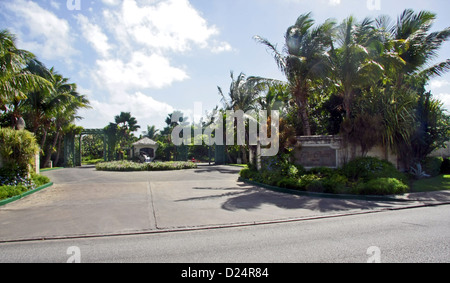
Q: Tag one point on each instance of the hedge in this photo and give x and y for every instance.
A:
(127, 166)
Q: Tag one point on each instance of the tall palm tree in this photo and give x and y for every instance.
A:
(242, 95)
(65, 114)
(306, 51)
(352, 62)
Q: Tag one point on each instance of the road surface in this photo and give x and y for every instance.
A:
(419, 235)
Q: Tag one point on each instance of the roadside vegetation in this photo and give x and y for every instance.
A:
(128, 166)
(364, 80)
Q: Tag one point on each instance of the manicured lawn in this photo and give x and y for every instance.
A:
(438, 183)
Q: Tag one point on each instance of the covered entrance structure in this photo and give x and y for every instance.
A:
(145, 150)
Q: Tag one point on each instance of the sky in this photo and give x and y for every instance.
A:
(151, 57)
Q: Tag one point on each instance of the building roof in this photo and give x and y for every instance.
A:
(145, 141)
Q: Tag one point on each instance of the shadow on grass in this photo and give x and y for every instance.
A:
(439, 183)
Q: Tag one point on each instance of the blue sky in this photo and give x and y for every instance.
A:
(151, 57)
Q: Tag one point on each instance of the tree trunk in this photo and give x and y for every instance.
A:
(58, 151)
(301, 98)
(50, 151)
(244, 155)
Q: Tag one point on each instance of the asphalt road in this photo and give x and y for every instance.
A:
(419, 235)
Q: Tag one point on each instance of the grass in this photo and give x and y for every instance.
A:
(438, 183)
(18, 188)
(244, 166)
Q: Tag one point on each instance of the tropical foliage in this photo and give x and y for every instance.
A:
(365, 80)
(41, 99)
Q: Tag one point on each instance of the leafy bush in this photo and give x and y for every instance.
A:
(17, 149)
(306, 180)
(289, 183)
(316, 186)
(445, 166)
(127, 166)
(382, 186)
(322, 171)
(39, 180)
(369, 168)
(335, 184)
(432, 165)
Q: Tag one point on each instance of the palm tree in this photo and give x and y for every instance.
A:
(352, 62)
(242, 95)
(152, 132)
(65, 114)
(16, 77)
(305, 59)
(126, 125)
(415, 44)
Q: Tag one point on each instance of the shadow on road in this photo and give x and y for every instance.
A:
(245, 197)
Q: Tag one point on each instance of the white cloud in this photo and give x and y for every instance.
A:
(94, 35)
(445, 99)
(171, 25)
(48, 35)
(146, 109)
(221, 47)
(334, 2)
(141, 71)
(111, 2)
(437, 83)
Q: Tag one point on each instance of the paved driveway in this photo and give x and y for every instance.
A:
(85, 202)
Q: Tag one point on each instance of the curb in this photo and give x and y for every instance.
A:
(9, 200)
(324, 195)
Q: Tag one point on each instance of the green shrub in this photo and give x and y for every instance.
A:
(40, 180)
(270, 178)
(335, 184)
(322, 171)
(17, 149)
(128, 166)
(289, 183)
(382, 186)
(316, 186)
(369, 168)
(432, 165)
(306, 180)
(445, 166)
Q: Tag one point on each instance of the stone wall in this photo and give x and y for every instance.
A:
(443, 152)
(330, 151)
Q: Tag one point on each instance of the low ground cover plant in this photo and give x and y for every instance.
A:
(14, 184)
(128, 166)
(363, 176)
